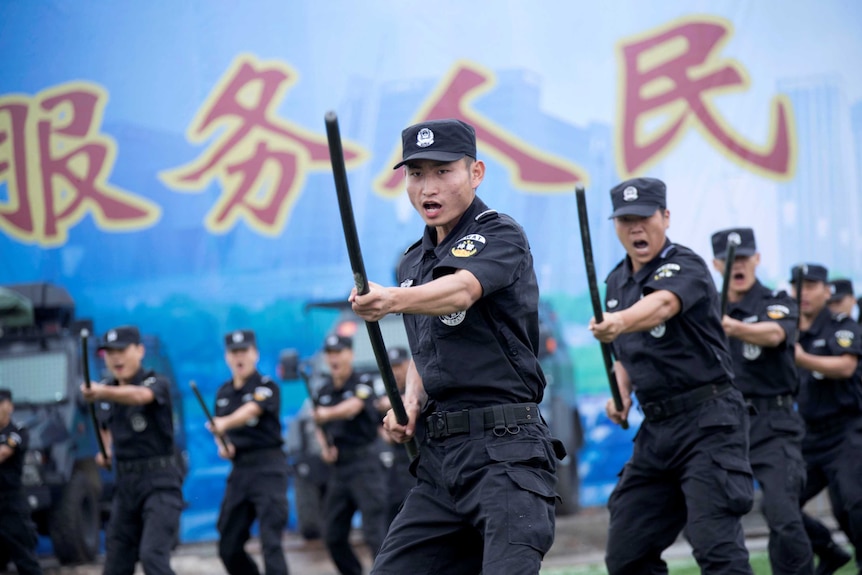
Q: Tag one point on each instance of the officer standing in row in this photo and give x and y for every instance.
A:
(247, 413)
(399, 481)
(842, 300)
(346, 414)
(761, 327)
(17, 535)
(136, 417)
(689, 468)
(830, 402)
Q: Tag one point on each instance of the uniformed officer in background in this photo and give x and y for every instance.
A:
(399, 480)
(830, 402)
(842, 300)
(247, 413)
(761, 327)
(485, 493)
(346, 413)
(689, 468)
(17, 534)
(137, 419)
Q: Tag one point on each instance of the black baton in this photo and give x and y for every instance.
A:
(360, 280)
(198, 395)
(587, 243)
(85, 364)
(733, 241)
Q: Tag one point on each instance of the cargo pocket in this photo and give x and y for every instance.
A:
(718, 413)
(527, 451)
(531, 508)
(737, 482)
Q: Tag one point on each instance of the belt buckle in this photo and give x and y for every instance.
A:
(440, 424)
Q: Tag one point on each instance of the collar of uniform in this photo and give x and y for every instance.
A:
(252, 380)
(650, 266)
(749, 304)
(429, 239)
(140, 376)
(820, 322)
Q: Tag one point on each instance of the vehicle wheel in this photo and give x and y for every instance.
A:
(74, 521)
(309, 508)
(568, 485)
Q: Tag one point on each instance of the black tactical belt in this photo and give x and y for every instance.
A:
(776, 402)
(258, 456)
(146, 464)
(501, 418)
(659, 410)
(351, 453)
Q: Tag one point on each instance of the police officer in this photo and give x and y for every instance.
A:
(485, 493)
(247, 413)
(399, 481)
(347, 434)
(17, 535)
(137, 420)
(761, 327)
(689, 468)
(830, 402)
(842, 300)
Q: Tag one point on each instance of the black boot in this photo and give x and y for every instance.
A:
(832, 558)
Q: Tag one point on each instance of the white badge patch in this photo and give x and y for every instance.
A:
(818, 343)
(817, 375)
(139, 422)
(844, 337)
(252, 422)
(454, 319)
(247, 397)
(750, 319)
(612, 303)
(222, 402)
(364, 391)
(666, 271)
(111, 336)
(751, 351)
(630, 194)
(105, 406)
(424, 138)
(407, 283)
(658, 331)
(148, 382)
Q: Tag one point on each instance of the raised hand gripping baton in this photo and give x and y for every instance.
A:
(587, 243)
(733, 241)
(360, 280)
(200, 398)
(85, 364)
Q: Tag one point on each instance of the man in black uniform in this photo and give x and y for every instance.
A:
(689, 468)
(399, 481)
(485, 493)
(17, 535)
(830, 402)
(247, 413)
(137, 419)
(346, 414)
(842, 300)
(761, 327)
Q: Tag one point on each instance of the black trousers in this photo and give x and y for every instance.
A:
(17, 534)
(776, 459)
(145, 521)
(254, 492)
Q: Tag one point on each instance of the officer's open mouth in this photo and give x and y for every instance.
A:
(431, 207)
(641, 244)
(739, 276)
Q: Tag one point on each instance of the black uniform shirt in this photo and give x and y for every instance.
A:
(485, 355)
(821, 398)
(139, 431)
(17, 438)
(362, 429)
(262, 432)
(685, 352)
(765, 371)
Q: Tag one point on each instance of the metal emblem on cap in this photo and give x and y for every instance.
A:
(332, 340)
(734, 238)
(111, 336)
(630, 194)
(424, 138)
(236, 337)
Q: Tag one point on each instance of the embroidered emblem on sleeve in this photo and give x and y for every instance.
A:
(666, 271)
(364, 391)
(844, 337)
(777, 312)
(13, 440)
(262, 393)
(149, 382)
(469, 245)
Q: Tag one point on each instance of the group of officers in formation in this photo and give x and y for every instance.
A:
(767, 390)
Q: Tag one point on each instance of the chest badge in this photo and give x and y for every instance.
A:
(612, 303)
(751, 351)
(139, 422)
(454, 319)
(659, 330)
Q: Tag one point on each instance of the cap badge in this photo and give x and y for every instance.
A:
(236, 337)
(111, 336)
(424, 138)
(332, 340)
(734, 238)
(832, 289)
(630, 194)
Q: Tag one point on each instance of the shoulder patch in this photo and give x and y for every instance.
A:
(486, 214)
(415, 245)
(149, 381)
(13, 440)
(777, 311)
(668, 250)
(364, 391)
(844, 337)
(469, 245)
(666, 271)
(262, 393)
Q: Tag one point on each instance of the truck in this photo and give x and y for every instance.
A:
(41, 361)
(559, 406)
